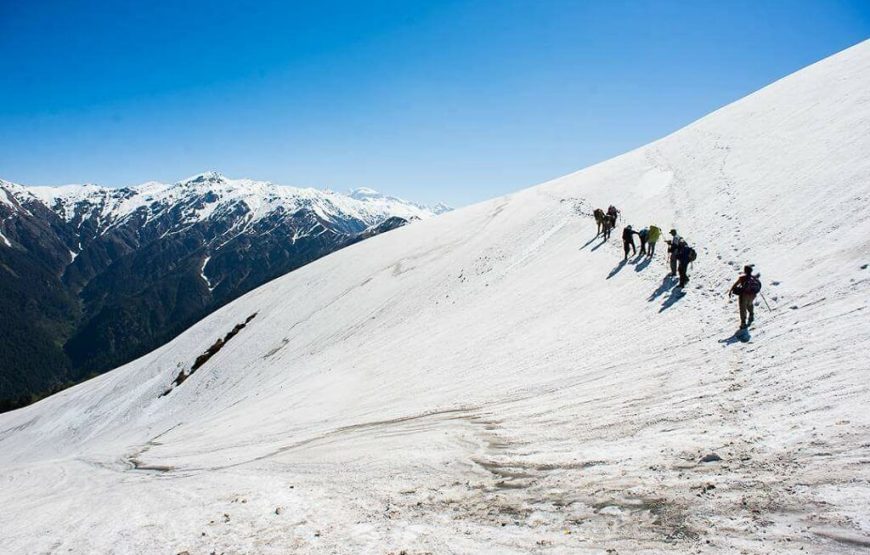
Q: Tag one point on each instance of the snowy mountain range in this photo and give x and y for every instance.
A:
(500, 380)
(97, 275)
(210, 196)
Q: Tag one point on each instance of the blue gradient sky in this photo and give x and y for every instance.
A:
(448, 100)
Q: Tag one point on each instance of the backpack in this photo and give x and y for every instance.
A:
(752, 285)
(691, 255)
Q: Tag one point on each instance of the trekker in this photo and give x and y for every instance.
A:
(609, 224)
(599, 220)
(673, 248)
(628, 240)
(612, 211)
(643, 234)
(684, 256)
(654, 235)
(746, 287)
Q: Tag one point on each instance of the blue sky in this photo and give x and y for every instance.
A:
(450, 100)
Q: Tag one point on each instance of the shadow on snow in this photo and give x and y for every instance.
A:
(667, 284)
(675, 295)
(642, 264)
(590, 241)
(616, 270)
(598, 246)
(740, 336)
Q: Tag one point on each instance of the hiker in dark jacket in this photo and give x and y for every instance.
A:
(673, 247)
(746, 287)
(683, 254)
(609, 224)
(612, 211)
(628, 241)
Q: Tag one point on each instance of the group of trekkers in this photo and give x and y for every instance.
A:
(680, 255)
(648, 236)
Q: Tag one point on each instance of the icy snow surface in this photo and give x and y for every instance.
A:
(497, 380)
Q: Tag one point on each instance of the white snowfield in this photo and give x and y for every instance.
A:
(496, 380)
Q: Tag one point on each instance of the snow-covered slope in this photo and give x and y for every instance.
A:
(497, 380)
(13, 197)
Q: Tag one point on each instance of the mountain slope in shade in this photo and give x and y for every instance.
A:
(498, 379)
(98, 276)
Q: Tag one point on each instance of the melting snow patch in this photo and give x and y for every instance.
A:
(203, 276)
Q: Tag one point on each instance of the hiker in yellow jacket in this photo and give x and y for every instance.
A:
(655, 233)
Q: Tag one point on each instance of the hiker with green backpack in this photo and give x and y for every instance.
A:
(653, 236)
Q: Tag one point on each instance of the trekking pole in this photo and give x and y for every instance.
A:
(765, 302)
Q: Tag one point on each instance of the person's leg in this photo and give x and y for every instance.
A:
(625, 248)
(741, 300)
(651, 249)
(750, 308)
(673, 264)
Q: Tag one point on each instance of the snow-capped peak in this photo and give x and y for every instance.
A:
(210, 176)
(15, 196)
(364, 193)
(440, 208)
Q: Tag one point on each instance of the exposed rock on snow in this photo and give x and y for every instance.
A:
(210, 352)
